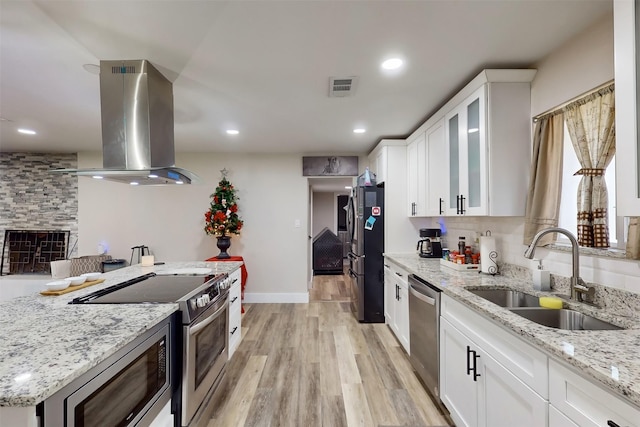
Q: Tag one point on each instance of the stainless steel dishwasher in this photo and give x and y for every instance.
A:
(424, 332)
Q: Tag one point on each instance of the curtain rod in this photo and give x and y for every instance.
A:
(564, 104)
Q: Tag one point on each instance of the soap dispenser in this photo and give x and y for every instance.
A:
(541, 278)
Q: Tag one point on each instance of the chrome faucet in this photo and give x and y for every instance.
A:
(578, 287)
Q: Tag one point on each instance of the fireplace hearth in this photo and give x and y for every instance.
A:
(31, 251)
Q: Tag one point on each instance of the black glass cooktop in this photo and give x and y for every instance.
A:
(147, 289)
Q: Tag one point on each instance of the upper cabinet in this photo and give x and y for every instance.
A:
(466, 150)
(416, 175)
(436, 169)
(488, 137)
(626, 18)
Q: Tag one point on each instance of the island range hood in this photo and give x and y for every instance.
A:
(136, 103)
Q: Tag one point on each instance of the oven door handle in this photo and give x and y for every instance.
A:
(200, 326)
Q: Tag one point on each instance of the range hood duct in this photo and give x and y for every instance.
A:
(136, 103)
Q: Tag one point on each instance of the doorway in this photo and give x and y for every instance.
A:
(326, 196)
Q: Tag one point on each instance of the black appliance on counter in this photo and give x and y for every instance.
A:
(429, 245)
(202, 337)
(365, 225)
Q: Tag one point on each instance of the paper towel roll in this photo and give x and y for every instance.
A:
(488, 255)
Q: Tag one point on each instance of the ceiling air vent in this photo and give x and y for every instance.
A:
(342, 86)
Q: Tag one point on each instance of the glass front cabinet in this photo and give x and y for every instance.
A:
(466, 136)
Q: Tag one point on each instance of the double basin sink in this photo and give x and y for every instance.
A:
(528, 306)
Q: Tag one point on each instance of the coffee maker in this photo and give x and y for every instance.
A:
(429, 245)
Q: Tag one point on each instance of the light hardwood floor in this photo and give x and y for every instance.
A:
(315, 365)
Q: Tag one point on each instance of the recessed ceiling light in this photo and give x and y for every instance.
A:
(153, 176)
(91, 68)
(348, 187)
(27, 131)
(134, 183)
(179, 182)
(233, 131)
(473, 130)
(359, 130)
(97, 177)
(392, 64)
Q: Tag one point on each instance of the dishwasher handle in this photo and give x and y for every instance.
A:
(421, 297)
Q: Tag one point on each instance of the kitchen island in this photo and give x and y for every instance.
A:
(45, 343)
(604, 357)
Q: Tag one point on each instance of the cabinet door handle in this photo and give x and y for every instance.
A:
(398, 274)
(457, 204)
(612, 424)
(397, 293)
(440, 205)
(462, 199)
(234, 300)
(234, 330)
(234, 280)
(387, 265)
(470, 368)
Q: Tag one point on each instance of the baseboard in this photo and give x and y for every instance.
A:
(257, 298)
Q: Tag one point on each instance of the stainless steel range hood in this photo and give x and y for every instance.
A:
(137, 127)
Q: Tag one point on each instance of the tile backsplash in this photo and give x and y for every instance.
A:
(610, 271)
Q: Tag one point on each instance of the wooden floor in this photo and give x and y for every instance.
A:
(315, 365)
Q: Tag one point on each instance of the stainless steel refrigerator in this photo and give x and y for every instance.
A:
(365, 225)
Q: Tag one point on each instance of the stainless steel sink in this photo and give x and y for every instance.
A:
(507, 297)
(564, 319)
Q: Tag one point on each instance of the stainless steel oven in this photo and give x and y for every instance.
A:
(203, 341)
(128, 389)
(206, 351)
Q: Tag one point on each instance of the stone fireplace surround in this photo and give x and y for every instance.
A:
(34, 199)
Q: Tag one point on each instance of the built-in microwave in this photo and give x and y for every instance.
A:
(129, 388)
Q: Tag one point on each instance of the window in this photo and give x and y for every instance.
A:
(568, 198)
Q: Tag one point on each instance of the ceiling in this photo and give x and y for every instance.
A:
(263, 67)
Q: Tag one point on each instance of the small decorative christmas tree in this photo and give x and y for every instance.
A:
(222, 217)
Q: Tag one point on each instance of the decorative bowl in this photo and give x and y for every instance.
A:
(57, 285)
(76, 280)
(91, 276)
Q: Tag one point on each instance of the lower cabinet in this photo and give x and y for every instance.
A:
(396, 302)
(490, 377)
(585, 403)
(479, 391)
(235, 311)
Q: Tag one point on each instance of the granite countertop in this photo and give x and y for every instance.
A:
(45, 343)
(608, 357)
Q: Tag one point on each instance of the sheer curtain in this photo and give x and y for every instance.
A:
(545, 185)
(590, 122)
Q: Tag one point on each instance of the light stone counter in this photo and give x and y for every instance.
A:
(45, 343)
(596, 354)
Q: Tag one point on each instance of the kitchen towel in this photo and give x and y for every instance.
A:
(488, 255)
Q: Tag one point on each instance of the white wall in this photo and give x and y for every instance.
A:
(272, 197)
(582, 63)
(324, 212)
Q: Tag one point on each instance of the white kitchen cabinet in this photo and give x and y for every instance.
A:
(235, 311)
(479, 391)
(626, 21)
(585, 403)
(458, 390)
(436, 170)
(558, 419)
(392, 166)
(389, 295)
(416, 176)
(488, 145)
(396, 302)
